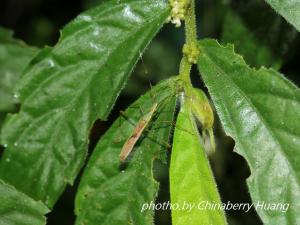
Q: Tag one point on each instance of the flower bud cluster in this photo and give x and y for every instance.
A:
(178, 11)
(191, 51)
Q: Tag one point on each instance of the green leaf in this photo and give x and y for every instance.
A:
(289, 9)
(106, 194)
(259, 109)
(18, 209)
(66, 88)
(262, 44)
(14, 57)
(191, 178)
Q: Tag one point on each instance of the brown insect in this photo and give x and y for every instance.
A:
(137, 132)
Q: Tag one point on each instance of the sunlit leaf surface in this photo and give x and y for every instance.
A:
(18, 209)
(191, 179)
(67, 87)
(259, 109)
(14, 57)
(289, 9)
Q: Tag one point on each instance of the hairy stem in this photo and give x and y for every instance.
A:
(190, 24)
(190, 49)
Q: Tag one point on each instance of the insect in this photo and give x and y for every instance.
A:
(145, 120)
(200, 108)
(138, 130)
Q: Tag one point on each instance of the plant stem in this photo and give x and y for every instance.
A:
(191, 39)
(190, 24)
(184, 70)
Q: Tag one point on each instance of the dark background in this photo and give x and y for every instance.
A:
(38, 22)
